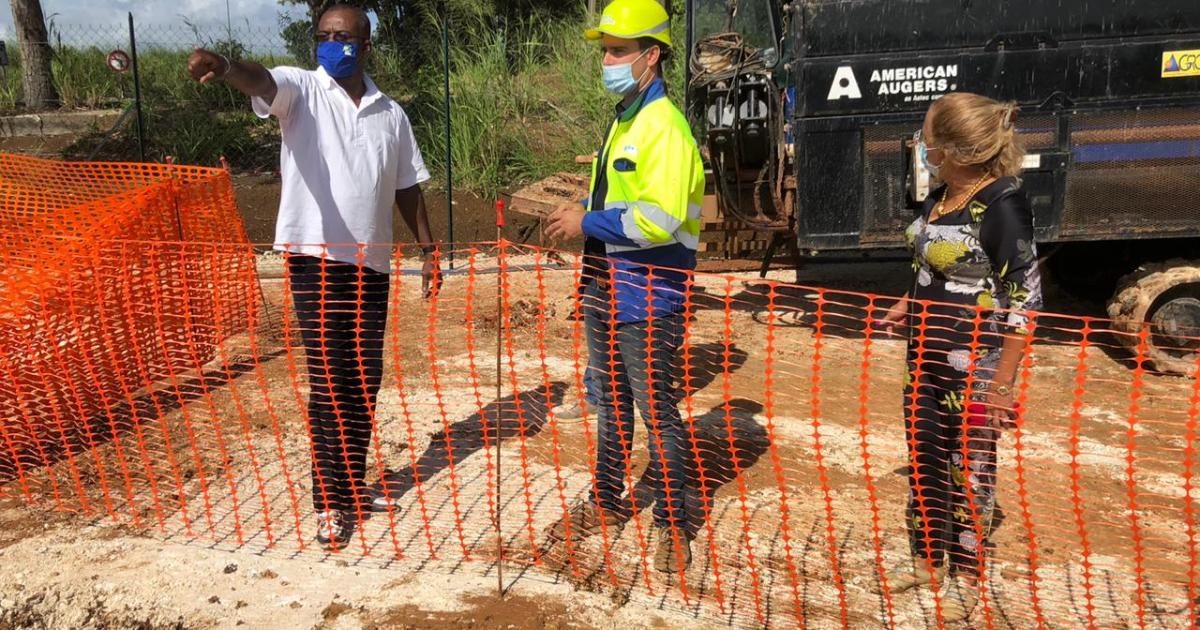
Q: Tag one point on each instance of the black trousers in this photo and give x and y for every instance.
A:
(952, 495)
(342, 311)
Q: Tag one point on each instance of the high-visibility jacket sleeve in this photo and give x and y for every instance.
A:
(664, 175)
(658, 205)
(606, 226)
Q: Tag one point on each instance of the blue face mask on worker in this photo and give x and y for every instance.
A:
(619, 78)
(340, 59)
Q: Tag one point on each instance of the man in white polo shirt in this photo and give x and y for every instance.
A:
(348, 155)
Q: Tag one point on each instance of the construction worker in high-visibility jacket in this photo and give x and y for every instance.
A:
(641, 224)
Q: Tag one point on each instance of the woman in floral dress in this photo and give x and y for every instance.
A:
(975, 277)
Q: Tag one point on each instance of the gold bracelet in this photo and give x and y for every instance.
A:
(1003, 390)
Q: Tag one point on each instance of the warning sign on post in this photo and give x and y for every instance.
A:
(1181, 63)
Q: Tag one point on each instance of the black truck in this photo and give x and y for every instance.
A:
(806, 110)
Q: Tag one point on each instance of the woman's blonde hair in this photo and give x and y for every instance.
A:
(979, 132)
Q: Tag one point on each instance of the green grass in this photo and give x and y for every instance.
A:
(84, 81)
(520, 111)
(527, 99)
(526, 102)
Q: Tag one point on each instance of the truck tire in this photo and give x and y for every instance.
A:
(1167, 297)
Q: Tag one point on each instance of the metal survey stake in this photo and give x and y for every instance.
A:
(500, 278)
(449, 132)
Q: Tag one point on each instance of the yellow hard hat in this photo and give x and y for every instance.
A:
(633, 19)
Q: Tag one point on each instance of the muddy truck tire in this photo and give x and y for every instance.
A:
(1166, 297)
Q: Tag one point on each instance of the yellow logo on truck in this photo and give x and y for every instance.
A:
(1181, 63)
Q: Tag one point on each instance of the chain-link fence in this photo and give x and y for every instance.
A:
(526, 95)
(84, 78)
(255, 39)
(93, 69)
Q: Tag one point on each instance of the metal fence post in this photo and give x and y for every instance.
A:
(449, 134)
(137, 92)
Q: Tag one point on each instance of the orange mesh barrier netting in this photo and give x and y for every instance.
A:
(93, 311)
(186, 414)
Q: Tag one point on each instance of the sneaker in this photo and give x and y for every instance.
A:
(958, 600)
(585, 520)
(334, 530)
(568, 411)
(917, 574)
(386, 493)
(673, 552)
(576, 411)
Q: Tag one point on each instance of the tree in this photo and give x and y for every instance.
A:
(36, 77)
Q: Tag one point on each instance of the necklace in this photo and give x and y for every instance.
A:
(940, 211)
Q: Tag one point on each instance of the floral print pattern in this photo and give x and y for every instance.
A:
(975, 278)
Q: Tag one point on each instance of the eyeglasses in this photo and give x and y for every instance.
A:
(340, 37)
(918, 138)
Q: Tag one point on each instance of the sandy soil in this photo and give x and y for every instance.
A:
(195, 513)
(474, 217)
(804, 488)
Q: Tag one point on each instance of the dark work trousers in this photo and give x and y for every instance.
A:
(637, 363)
(342, 311)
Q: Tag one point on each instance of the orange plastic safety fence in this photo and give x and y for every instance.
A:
(95, 316)
(151, 375)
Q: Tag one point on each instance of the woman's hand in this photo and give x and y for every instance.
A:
(1001, 409)
(895, 315)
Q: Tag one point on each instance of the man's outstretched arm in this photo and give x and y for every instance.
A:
(247, 77)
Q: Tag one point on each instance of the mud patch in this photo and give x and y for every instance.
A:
(516, 611)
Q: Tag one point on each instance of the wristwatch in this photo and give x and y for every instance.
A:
(427, 250)
(1003, 390)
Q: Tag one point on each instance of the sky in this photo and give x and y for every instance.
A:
(77, 17)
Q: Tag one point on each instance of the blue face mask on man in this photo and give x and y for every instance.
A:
(619, 79)
(340, 59)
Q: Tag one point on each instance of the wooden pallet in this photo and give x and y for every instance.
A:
(733, 239)
(719, 237)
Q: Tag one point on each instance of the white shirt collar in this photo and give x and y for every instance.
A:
(371, 94)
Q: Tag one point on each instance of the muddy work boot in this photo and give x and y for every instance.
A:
(958, 600)
(914, 575)
(672, 551)
(585, 520)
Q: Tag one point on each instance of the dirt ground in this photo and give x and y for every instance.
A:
(207, 523)
(804, 484)
(474, 218)
(40, 146)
